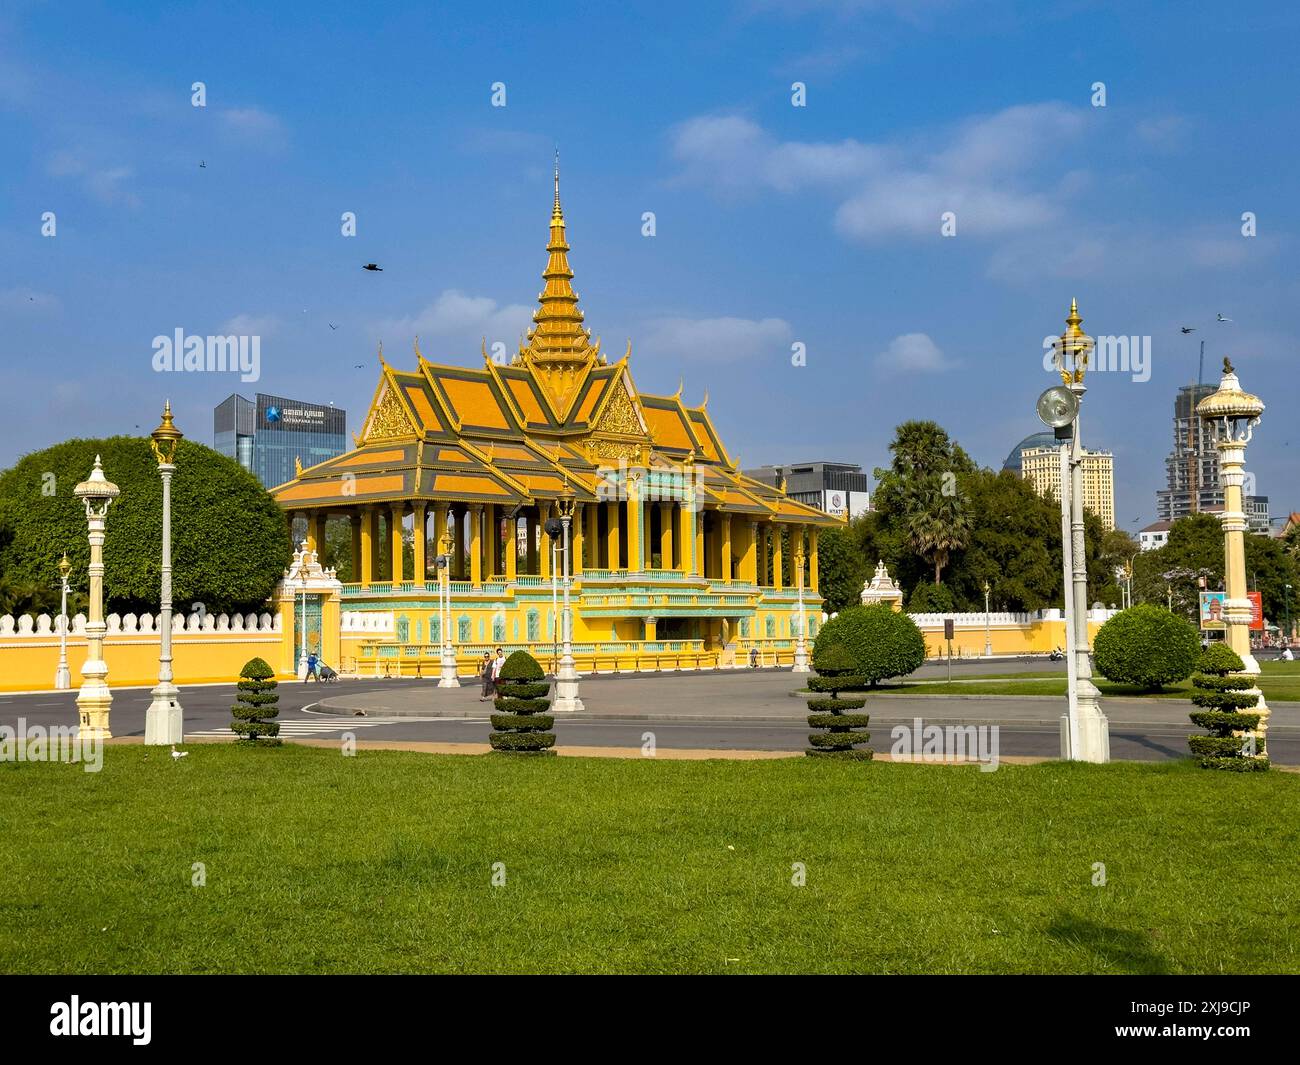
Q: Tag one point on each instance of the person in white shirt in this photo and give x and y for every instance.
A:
(497, 663)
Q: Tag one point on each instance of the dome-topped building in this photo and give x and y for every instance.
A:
(1043, 439)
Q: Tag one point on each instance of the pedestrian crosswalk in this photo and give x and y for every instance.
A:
(295, 729)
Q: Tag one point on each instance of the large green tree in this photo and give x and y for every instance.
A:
(230, 541)
(1195, 550)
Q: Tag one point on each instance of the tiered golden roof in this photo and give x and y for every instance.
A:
(557, 414)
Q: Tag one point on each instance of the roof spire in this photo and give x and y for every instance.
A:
(556, 211)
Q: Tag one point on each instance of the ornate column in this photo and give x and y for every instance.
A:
(511, 546)
(724, 547)
(665, 535)
(814, 577)
(544, 545)
(530, 548)
(686, 535)
(317, 530)
(614, 537)
(1231, 415)
(354, 520)
(419, 534)
(369, 544)
(749, 564)
(701, 559)
(476, 545)
(575, 548)
(778, 565)
(395, 540)
(94, 699)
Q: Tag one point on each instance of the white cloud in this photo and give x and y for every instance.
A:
(107, 184)
(252, 125)
(250, 325)
(1000, 173)
(716, 339)
(913, 353)
(457, 320)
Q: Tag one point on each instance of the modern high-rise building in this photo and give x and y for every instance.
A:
(1192, 468)
(1041, 466)
(839, 488)
(269, 435)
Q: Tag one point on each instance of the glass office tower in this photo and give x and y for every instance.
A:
(265, 435)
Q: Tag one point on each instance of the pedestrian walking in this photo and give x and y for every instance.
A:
(485, 674)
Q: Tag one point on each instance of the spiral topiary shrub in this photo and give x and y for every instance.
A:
(258, 705)
(880, 642)
(1232, 744)
(1146, 646)
(841, 732)
(519, 725)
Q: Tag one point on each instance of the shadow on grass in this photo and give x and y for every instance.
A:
(1127, 950)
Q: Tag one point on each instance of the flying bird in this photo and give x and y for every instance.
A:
(202, 165)
(1189, 329)
(1223, 319)
(331, 325)
(373, 268)
(360, 366)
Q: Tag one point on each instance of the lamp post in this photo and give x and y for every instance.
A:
(1286, 605)
(1231, 415)
(801, 645)
(62, 677)
(1085, 732)
(447, 659)
(988, 638)
(164, 720)
(94, 699)
(302, 629)
(566, 678)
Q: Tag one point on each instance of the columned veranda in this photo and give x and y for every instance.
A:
(495, 542)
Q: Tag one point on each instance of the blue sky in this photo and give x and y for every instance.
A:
(775, 224)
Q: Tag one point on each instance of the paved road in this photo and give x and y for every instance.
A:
(745, 710)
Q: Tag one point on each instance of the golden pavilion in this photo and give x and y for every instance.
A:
(678, 559)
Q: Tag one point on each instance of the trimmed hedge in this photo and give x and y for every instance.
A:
(1233, 744)
(880, 642)
(519, 725)
(1146, 646)
(258, 705)
(837, 672)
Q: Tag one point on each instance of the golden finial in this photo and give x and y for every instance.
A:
(705, 402)
(381, 354)
(297, 465)
(416, 345)
(165, 438)
(1227, 365)
(681, 384)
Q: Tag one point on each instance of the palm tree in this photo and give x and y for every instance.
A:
(937, 526)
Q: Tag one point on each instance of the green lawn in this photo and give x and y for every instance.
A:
(382, 862)
(1279, 681)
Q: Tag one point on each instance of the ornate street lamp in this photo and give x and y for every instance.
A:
(163, 721)
(447, 658)
(94, 699)
(988, 639)
(801, 645)
(62, 677)
(1231, 414)
(1085, 732)
(566, 678)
